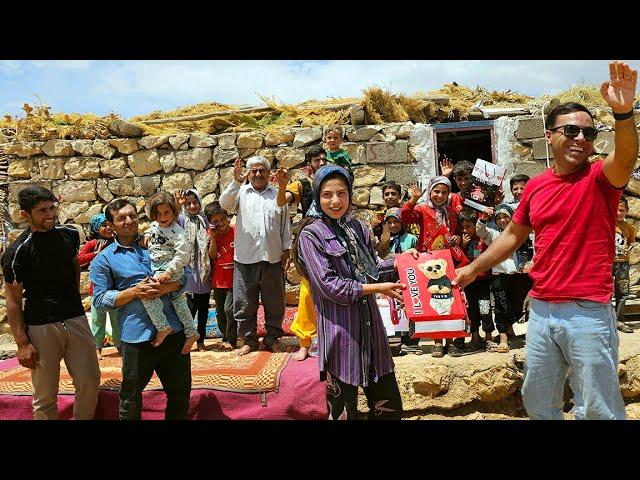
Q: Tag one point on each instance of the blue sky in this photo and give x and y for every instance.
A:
(134, 87)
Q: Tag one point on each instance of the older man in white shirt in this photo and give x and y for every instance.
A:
(261, 252)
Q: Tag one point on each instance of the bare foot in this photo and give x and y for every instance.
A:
(201, 347)
(244, 350)
(160, 336)
(301, 354)
(226, 347)
(188, 343)
(99, 352)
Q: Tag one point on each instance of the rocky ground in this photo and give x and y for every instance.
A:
(487, 385)
(475, 386)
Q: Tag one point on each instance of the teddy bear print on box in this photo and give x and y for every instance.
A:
(430, 295)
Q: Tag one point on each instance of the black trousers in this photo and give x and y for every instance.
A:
(621, 287)
(479, 299)
(140, 360)
(199, 304)
(383, 399)
(224, 314)
(509, 293)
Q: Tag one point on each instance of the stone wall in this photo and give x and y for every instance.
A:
(87, 174)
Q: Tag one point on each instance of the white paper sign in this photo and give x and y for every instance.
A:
(489, 172)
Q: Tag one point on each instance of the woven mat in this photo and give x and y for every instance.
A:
(252, 373)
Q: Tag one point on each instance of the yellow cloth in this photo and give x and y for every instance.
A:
(304, 325)
(295, 189)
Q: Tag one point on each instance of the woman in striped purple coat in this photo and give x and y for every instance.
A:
(333, 251)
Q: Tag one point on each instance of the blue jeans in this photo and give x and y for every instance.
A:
(580, 335)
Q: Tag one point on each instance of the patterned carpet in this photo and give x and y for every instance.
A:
(252, 373)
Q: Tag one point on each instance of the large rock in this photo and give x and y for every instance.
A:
(194, 159)
(362, 134)
(153, 141)
(247, 152)
(202, 140)
(120, 128)
(401, 174)
(383, 137)
(83, 147)
(398, 130)
(633, 187)
(227, 141)
(376, 196)
(58, 148)
(223, 156)
(14, 213)
(85, 217)
(52, 168)
(634, 274)
(451, 383)
(226, 177)
(634, 207)
(103, 190)
(539, 149)
(82, 168)
(529, 128)
(360, 197)
(24, 149)
(144, 186)
(17, 186)
(387, 153)
(630, 378)
(356, 115)
(368, 176)
(69, 211)
(210, 198)
(634, 255)
(168, 162)
(20, 168)
(357, 152)
(250, 140)
(177, 141)
(289, 157)
(116, 167)
(207, 181)
(278, 137)
(125, 146)
(144, 162)
(75, 191)
(102, 148)
(307, 136)
(268, 153)
(177, 181)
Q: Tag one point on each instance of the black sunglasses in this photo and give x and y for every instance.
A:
(572, 131)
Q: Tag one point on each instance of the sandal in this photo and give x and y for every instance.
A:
(438, 351)
(493, 347)
(454, 351)
(406, 349)
(623, 327)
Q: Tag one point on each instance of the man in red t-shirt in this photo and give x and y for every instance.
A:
(221, 253)
(572, 210)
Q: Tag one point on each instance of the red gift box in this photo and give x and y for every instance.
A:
(438, 237)
(430, 300)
